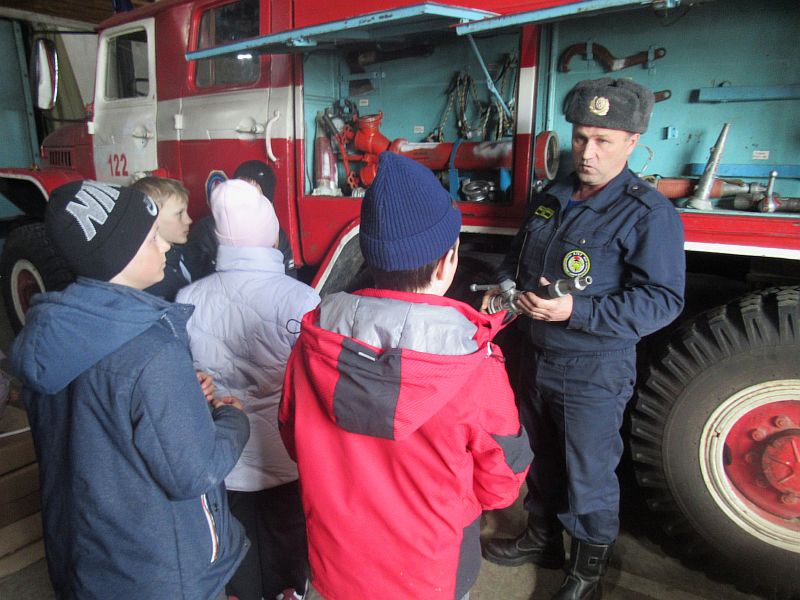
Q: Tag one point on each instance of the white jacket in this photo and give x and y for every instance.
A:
(246, 320)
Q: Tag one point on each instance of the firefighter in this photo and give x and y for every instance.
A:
(580, 349)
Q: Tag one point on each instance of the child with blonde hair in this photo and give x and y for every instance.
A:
(173, 226)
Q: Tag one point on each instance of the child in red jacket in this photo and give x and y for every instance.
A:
(397, 408)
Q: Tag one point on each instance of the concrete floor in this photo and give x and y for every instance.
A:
(639, 571)
(639, 567)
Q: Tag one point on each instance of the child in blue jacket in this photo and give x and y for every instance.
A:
(132, 458)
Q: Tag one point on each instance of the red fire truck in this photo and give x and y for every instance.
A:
(472, 89)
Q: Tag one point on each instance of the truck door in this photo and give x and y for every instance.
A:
(223, 117)
(124, 122)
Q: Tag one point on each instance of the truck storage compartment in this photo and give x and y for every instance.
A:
(743, 80)
(423, 97)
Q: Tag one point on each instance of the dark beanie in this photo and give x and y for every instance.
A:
(261, 173)
(610, 103)
(408, 220)
(98, 228)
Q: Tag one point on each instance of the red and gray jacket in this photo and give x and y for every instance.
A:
(398, 411)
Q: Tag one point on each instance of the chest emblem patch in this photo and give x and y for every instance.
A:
(544, 212)
(576, 263)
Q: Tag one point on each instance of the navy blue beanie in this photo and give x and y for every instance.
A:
(408, 220)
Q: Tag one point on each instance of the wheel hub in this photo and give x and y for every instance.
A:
(762, 459)
(781, 465)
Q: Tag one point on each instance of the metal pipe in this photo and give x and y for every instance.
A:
(787, 205)
(768, 204)
(470, 156)
(700, 199)
(683, 187)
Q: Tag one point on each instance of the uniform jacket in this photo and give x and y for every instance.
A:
(628, 238)
(131, 458)
(398, 410)
(246, 320)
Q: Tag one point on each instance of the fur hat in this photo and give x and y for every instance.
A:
(98, 228)
(408, 220)
(243, 217)
(610, 103)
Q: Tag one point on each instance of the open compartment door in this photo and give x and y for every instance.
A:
(554, 13)
(377, 26)
(403, 80)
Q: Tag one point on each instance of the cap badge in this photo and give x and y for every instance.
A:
(599, 106)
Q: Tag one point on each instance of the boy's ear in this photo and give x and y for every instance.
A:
(446, 264)
(452, 254)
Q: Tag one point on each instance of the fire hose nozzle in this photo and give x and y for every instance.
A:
(700, 199)
(507, 298)
(504, 300)
(562, 287)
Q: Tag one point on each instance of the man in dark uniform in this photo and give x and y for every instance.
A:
(604, 221)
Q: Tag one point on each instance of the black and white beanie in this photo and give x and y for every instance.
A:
(98, 228)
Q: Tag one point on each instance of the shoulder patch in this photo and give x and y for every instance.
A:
(645, 193)
(543, 206)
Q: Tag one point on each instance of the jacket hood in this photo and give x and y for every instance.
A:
(68, 332)
(384, 363)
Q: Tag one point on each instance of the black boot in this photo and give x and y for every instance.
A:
(587, 565)
(541, 544)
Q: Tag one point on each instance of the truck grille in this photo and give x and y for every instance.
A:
(60, 158)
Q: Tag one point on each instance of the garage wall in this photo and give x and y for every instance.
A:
(17, 129)
(724, 42)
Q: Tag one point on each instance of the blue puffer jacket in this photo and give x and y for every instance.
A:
(131, 458)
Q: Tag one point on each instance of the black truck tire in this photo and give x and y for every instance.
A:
(29, 265)
(716, 438)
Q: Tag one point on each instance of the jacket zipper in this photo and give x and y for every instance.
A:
(548, 247)
(546, 250)
(171, 326)
(211, 528)
(519, 258)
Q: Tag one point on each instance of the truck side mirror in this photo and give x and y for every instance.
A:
(44, 73)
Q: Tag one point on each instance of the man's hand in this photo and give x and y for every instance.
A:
(541, 309)
(207, 385)
(228, 401)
